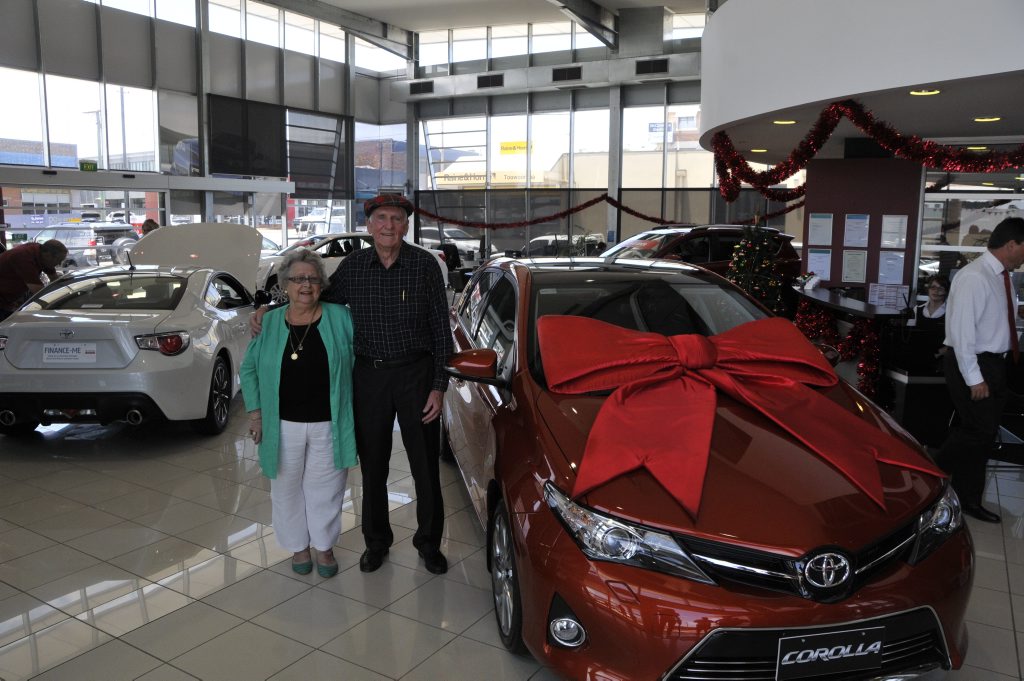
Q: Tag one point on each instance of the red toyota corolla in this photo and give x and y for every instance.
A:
(676, 486)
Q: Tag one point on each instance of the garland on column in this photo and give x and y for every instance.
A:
(819, 325)
(733, 168)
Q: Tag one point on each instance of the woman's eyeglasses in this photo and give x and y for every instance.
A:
(313, 281)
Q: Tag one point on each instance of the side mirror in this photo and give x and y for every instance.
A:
(477, 366)
(262, 299)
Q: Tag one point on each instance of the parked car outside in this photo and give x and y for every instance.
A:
(602, 568)
(135, 343)
(332, 249)
(710, 246)
(317, 221)
(561, 246)
(90, 243)
(467, 245)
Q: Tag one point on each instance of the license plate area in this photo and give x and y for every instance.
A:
(837, 652)
(69, 353)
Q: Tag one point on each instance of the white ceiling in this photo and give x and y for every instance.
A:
(421, 15)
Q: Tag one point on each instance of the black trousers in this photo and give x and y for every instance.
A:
(968, 446)
(379, 395)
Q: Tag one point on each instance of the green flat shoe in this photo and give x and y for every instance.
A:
(302, 568)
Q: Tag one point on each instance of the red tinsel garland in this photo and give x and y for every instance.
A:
(817, 324)
(733, 168)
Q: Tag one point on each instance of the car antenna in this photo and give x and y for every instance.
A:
(128, 257)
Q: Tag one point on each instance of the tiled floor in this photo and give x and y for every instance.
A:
(148, 554)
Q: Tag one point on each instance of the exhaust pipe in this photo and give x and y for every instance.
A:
(7, 417)
(133, 417)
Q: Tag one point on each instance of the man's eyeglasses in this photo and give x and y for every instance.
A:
(313, 281)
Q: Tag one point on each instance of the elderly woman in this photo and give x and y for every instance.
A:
(296, 381)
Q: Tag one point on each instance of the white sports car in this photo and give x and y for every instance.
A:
(332, 248)
(162, 337)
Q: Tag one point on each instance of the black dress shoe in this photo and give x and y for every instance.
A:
(435, 561)
(981, 513)
(372, 559)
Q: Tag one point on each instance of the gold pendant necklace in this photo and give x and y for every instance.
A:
(295, 350)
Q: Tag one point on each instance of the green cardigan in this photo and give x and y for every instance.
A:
(260, 374)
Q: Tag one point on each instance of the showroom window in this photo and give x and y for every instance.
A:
(551, 37)
(582, 38)
(379, 60)
(509, 152)
(549, 149)
(262, 23)
(131, 126)
(176, 11)
(179, 133)
(590, 148)
(508, 41)
(433, 48)
(332, 43)
(143, 7)
(21, 126)
(299, 33)
(226, 17)
(75, 120)
(457, 152)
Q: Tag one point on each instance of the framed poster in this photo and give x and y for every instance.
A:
(855, 266)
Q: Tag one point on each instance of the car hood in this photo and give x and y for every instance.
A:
(762, 487)
(226, 247)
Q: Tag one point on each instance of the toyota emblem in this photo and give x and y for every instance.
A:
(66, 333)
(827, 570)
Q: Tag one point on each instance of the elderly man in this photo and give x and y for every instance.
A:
(402, 341)
(20, 270)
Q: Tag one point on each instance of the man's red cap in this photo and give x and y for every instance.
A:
(387, 200)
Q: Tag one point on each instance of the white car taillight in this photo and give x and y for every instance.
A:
(173, 343)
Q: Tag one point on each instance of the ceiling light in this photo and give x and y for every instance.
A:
(758, 151)
(976, 148)
(783, 122)
(924, 93)
(1019, 177)
(987, 119)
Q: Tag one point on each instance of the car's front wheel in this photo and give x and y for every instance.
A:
(277, 294)
(219, 401)
(508, 605)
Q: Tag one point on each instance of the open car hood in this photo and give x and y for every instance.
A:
(762, 488)
(226, 247)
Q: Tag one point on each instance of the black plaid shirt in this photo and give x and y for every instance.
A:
(398, 311)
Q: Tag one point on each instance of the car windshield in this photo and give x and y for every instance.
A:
(118, 292)
(453, 233)
(641, 246)
(671, 305)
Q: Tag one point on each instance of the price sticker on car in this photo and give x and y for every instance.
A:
(69, 353)
(838, 652)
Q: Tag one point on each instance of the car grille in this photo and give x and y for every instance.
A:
(725, 562)
(913, 640)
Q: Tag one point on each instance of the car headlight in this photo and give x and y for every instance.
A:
(602, 537)
(936, 524)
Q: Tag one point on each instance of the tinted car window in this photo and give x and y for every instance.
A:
(130, 292)
(724, 245)
(641, 246)
(473, 300)
(498, 324)
(693, 250)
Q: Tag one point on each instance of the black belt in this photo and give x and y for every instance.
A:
(996, 355)
(393, 363)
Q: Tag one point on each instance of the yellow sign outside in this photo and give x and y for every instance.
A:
(514, 147)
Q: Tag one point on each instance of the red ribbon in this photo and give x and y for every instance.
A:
(666, 385)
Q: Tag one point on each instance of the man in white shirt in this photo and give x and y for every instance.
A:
(980, 312)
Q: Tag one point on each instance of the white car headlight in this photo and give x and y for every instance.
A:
(602, 537)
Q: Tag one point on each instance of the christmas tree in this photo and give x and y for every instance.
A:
(753, 268)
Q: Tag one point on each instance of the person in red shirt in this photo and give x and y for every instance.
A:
(20, 270)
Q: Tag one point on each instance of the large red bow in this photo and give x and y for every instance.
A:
(766, 364)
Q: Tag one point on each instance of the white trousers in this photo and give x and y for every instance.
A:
(306, 496)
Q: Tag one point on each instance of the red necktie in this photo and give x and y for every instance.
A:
(1011, 318)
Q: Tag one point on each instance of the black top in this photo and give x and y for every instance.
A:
(398, 311)
(305, 394)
